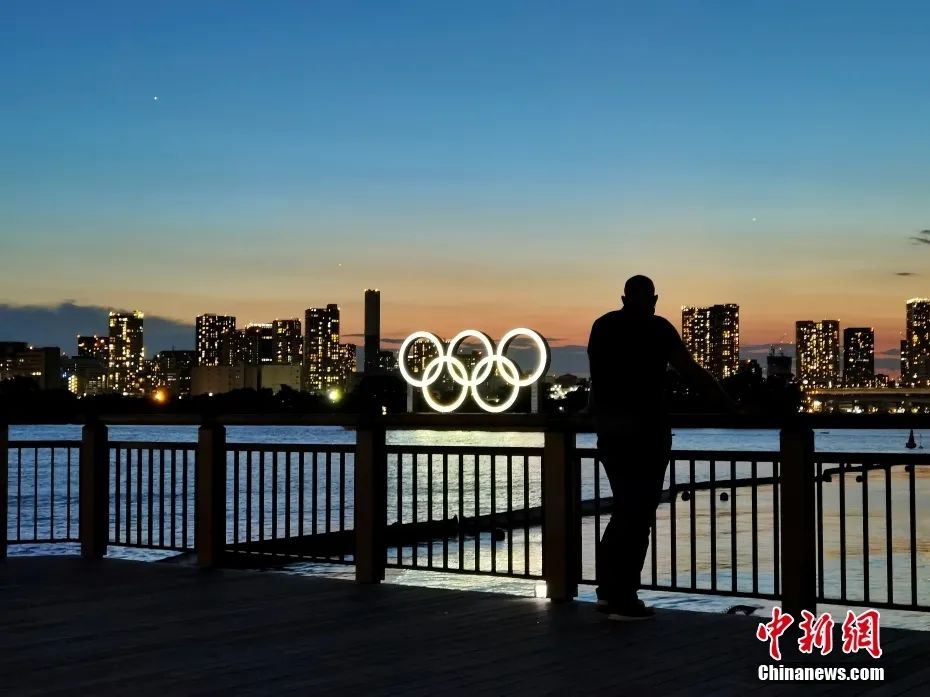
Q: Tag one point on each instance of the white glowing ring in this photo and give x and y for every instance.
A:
(402, 363)
(431, 373)
(513, 379)
(541, 347)
(446, 356)
(488, 346)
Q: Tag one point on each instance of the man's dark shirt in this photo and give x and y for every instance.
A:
(629, 355)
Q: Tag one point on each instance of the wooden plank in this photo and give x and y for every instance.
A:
(370, 513)
(109, 627)
(210, 503)
(798, 520)
(94, 494)
(562, 541)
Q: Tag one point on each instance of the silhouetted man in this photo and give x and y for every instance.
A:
(629, 352)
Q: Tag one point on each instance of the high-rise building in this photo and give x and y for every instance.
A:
(387, 362)
(256, 344)
(211, 380)
(915, 352)
(778, 367)
(172, 371)
(41, 365)
(251, 345)
(858, 357)
(126, 354)
(231, 348)
(372, 329)
(349, 362)
(322, 354)
(287, 341)
(9, 351)
(84, 376)
(712, 336)
(750, 368)
(817, 350)
(93, 347)
(905, 364)
(419, 354)
(209, 337)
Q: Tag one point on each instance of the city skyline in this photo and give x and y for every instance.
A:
(889, 326)
(726, 152)
(885, 362)
(280, 355)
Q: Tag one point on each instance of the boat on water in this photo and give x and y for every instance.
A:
(911, 443)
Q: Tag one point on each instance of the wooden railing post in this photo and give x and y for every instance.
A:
(4, 485)
(562, 524)
(94, 490)
(370, 501)
(798, 521)
(210, 508)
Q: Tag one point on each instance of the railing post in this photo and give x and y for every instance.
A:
(94, 490)
(4, 485)
(210, 508)
(561, 522)
(370, 501)
(798, 521)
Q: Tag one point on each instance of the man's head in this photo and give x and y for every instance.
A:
(639, 295)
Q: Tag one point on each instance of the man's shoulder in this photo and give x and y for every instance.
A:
(608, 318)
(663, 323)
(617, 321)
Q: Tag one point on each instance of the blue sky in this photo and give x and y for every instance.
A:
(496, 162)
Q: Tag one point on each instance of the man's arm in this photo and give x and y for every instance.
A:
(707, 384)
(596, 351)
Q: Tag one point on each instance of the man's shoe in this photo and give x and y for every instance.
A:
(632, 611)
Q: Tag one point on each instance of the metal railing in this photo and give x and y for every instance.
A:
(794, 524)
(43, 491)
(474, 510)
(716, 529)
(869, 529)
(290, 502)
(152, 495)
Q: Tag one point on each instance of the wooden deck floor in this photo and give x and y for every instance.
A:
(132, 628)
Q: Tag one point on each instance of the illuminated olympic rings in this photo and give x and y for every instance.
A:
(445, 356)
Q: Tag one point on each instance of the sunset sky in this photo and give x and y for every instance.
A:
(487, 164)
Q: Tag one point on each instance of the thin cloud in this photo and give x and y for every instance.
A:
(922, 237)
(905, 273)
(765, 349)
(518, 342)
(384, 339)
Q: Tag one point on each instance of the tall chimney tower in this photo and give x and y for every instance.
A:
(372, 330)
